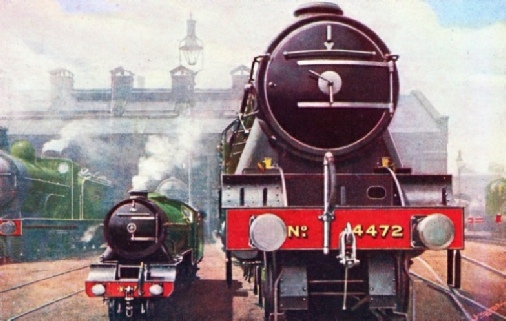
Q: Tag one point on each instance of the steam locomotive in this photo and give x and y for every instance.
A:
(49, 207)
(496, 197)
(313, 204)
(154, 247)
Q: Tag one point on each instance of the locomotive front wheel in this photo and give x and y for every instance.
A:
(117, 311)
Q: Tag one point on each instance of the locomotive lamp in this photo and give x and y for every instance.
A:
(436, 231)
(98, 289)
(191, 46)
(267, 232)
(8, 228)
(156, 289)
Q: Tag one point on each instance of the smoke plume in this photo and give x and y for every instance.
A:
(165, 153)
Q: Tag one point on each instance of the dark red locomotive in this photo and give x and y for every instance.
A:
(312, 203)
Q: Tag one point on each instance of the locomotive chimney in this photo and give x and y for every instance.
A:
(318, 8)
(62, 86)
(138, 194)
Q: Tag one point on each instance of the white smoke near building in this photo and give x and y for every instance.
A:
(55, 145)
(73, 132)
(67, 134)
(82, 144)
(164, 153)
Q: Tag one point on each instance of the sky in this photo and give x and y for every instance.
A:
(453, 51)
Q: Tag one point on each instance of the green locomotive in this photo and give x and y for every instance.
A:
(49, 207)
(153, 247)
(496, 197)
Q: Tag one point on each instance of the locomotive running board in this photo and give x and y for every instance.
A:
(376, 228)
(109, 275)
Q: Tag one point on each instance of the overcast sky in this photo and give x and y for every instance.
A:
(453, 51)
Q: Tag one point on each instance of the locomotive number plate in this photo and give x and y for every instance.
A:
(379, 231)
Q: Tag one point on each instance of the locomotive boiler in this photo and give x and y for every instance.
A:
(154, 245)
(49, 207)
(313, 203)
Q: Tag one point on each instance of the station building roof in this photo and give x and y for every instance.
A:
(213, 109)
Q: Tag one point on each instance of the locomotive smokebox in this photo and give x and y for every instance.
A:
(335, 91)
(134, 228)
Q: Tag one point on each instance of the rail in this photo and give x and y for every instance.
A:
(483, 265)
(44, 278)
(453, 293)
(40, 307)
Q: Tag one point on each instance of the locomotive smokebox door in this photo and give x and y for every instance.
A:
(343, 84)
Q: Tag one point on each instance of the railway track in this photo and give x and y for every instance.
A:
(43, 279)
(469, 307)
(484, 265)
(56, 286)
(18, 301)
(486, 240)
(40, 307)
(460, 299)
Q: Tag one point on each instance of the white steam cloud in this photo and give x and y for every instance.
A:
(72, 132)
(163, 153)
